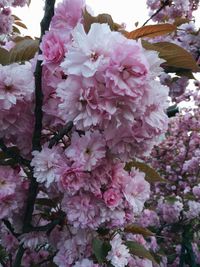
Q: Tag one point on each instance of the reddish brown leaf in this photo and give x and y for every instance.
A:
(151, 31)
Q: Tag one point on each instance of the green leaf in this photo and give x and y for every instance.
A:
(3, 255)
(4, 54)
(136, 229)
(150, 174)
(101, 18)
(15, 29)
(172, 111)
(16, 17)
(186, 73)
(139, 251)
(20, 24)
(179, 21)
(24, 50)
(171, 199)
(174, 55)
(100, 249)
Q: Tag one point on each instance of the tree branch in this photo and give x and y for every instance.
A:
(65, 130)
(172, 111)
(36, 140)
(45, 23)
(13, 154)
(49, 226)
(19, 256)
(10, 228)
(165, 3)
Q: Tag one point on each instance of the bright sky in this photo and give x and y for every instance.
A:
(127, 11)
(122, 11)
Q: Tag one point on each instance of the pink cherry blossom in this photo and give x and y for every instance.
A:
(52, 47)
(112, 198)
(67, 15)
(71, 180)
(46, 164)
(137, 191)
(20, 3)
(119, 254)
(90, 52)
(16, 84)
(6, 21)
(86, 151)
(85, 263)
(84, 211)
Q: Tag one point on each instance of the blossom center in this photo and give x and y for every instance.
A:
(94, 56)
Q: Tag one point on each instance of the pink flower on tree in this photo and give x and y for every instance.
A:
(67, 15)
(46, 164)
(86, 151)
(84, 211)
(71, 180)
(16, 84)
(6, 21)
(119, 254)
(90, 52)
(5, 3)
(112, 198)
(20, 3)
(137, 191)
(52, 47)
(85, 263)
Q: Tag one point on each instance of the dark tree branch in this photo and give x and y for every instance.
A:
(10, 228)
(57, 137)
(164, 4)
(172, 111)
(187, 253)
(19, 256)
(36, 141)
(50, 258)
(13, 154)
(45, 23)
(3, 263)
(49, 226)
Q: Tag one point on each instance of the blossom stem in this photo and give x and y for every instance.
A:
(13, 154)
(57, 137)
(10, 228)
(49, 226)
(165, 3)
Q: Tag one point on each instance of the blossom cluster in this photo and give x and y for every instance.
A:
(174, 204)
(172, 9)
(6, 18)
(180, 13)
(105, 86)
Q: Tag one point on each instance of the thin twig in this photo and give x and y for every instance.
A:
(57, 137)
(11, 153)
(10, 228)
(48, 259)
(165, 3)
(47, 227)
(19, 256)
